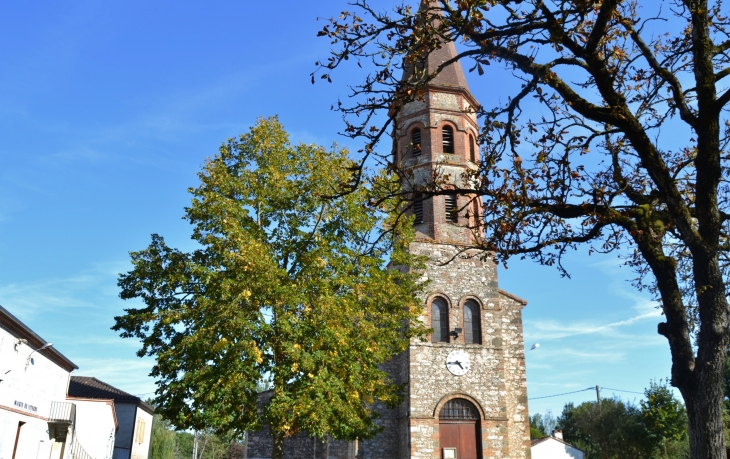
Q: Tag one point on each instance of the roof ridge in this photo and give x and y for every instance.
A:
(93, 387)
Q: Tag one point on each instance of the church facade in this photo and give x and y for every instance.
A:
(466, 395)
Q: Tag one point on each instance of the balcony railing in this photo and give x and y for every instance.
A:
(61, 420)
(62, 413)
(78, 452)
(61, 426)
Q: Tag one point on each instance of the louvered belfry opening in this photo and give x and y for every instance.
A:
(451, 209)
(416, 142)
(439, 321)
(418, 209)
(459, 408)
(447, 136)
(472, 149)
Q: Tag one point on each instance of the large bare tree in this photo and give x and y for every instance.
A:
(585, 150)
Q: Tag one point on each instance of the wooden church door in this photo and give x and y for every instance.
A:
(458, 428)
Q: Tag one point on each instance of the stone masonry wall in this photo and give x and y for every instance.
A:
(259, 444)
(516, 381)
(300, 446)
(496, 381)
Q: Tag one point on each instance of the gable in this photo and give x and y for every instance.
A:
(550, 448)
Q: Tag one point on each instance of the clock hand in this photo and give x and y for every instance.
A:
(456, 362)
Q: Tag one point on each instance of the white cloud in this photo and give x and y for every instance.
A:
(25, 300)
(552, 329)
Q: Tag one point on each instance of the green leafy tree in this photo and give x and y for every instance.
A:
(287, 285)
(611, 131)
(573, 434)
(611, 430)
(183, 445)
(542, 425)
(537, 427)
(162, 441)
(663, 416)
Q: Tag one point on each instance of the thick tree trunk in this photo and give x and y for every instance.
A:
(704, 394)
(278, 451)
(704, 411)
(699, 378)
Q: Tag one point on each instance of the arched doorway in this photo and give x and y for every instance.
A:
(458, 428)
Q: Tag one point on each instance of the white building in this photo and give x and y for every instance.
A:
(96, 426)
(134, 417)
(554, 447)
(34, 377)
(37, 421)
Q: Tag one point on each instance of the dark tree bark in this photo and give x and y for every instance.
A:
(278, 450)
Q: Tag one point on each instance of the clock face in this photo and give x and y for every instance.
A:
(458, 362)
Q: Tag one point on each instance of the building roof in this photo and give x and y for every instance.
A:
(537, 441)
(90, 387)
(21, 331)
(451, 77)
(513, 297)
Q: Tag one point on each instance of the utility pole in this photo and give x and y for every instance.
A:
(598, 395)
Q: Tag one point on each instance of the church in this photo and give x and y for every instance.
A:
(466, 394)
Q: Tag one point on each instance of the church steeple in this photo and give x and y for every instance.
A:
(465, 390)
(436, 140)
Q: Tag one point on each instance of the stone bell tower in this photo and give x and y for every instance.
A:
(466, 395)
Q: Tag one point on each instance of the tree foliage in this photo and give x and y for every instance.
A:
(664, 417)
(574, 434)
(614, 429)
(287, 286)
(541, 425)
(656, 429)
(615, 136)
(537, 429)
(162, 440)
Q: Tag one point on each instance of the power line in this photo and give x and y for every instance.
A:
(566, 393)
(584, 390)
(620, 390)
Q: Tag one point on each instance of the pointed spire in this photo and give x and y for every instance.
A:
(452, 76)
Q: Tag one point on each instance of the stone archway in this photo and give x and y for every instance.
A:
(459, 429)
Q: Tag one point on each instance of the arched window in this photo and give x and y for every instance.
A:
(416, 142)
(447, 137)
(459, 408)
(472, 328)
(439, 321)
(472, 149)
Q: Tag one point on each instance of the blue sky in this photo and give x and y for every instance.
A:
(108, 110)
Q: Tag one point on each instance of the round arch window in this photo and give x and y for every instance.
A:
(459, 409)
